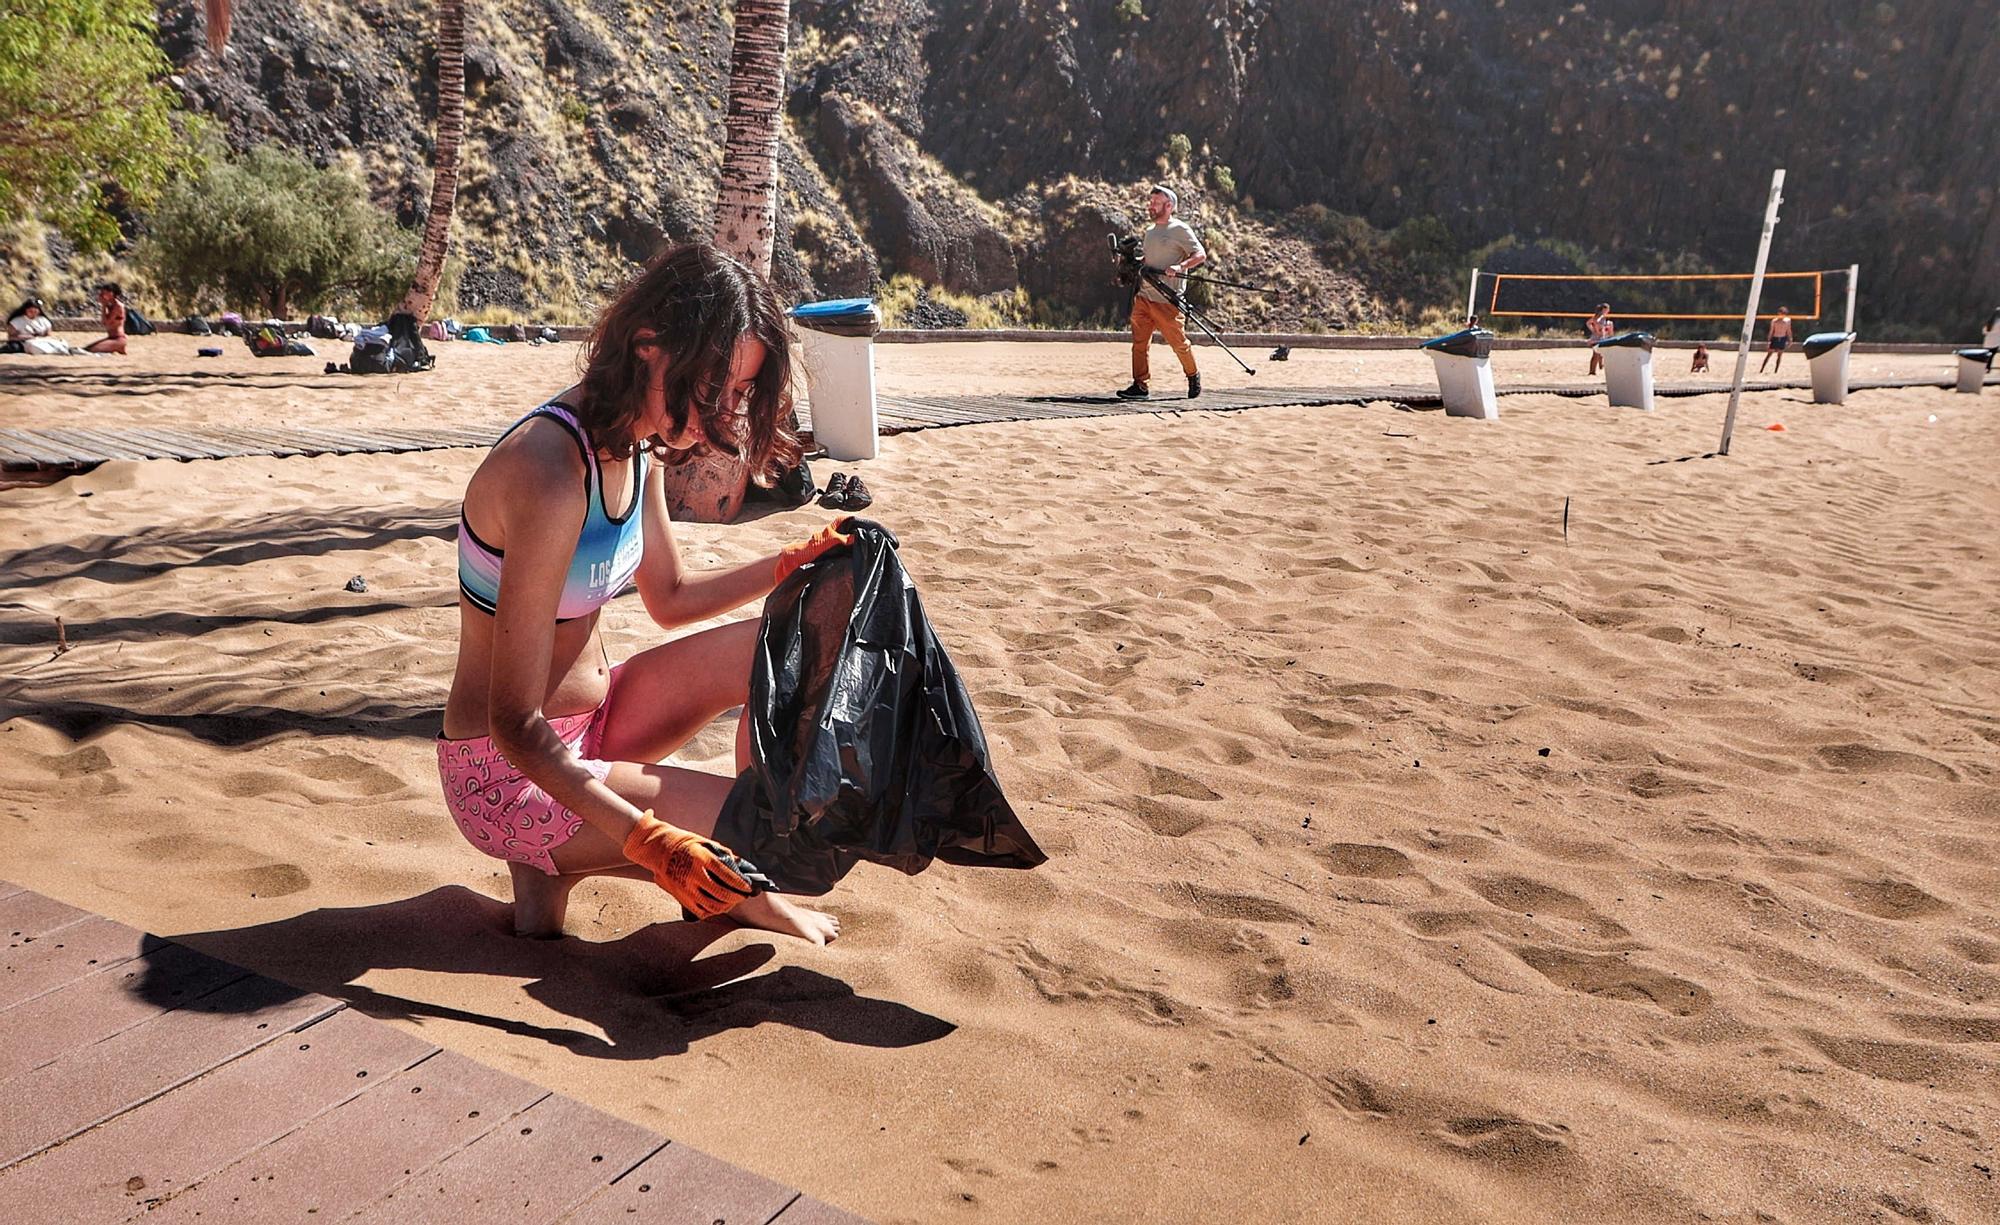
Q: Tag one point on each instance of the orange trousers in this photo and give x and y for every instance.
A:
(1146, 316)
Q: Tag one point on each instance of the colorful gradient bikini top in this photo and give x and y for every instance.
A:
(607, 552)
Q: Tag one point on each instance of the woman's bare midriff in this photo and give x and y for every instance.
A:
(579, 674)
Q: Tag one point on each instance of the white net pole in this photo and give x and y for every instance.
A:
(1472, 295)
(1853, 284)
(1750, 311)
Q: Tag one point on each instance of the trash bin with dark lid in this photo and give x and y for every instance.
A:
(1973, 365)
(839, 358)
(1465, 378)
(1826, 358)
(1628, 369)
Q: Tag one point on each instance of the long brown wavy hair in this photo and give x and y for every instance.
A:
(698, 303)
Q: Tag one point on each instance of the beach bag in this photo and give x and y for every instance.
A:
(195, 325)
(394, 347)
(231, 324)
(322, 327)
(435, 331)
(549, 336)
(793, 488)
(514, 333)
(137, 324)
(266, 341)
(863, 739)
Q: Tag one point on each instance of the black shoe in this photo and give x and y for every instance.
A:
(836, 490)
(1194, 386)
(856, 495)
(1137, 391)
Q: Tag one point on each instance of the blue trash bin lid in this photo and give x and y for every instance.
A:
(1824, 342)
(1626, 340)
(1978, 355)
(839, 316)
(1466, 342)
(834, 306)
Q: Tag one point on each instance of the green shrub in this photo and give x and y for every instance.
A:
(1225, 179)
(85, 114)
(272, 229)
(1129, 10)
(1179, 149)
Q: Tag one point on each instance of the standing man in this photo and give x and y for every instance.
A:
(1169, 246)
(1599, 327)
(1780, 339)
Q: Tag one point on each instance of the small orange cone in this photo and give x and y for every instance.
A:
(1776, 427)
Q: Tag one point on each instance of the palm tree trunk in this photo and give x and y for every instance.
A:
(746, 206)
(218, 15)
(444, 172)
(711, 490)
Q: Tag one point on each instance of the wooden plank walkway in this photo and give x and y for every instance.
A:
(143, 1079)
(69, 447)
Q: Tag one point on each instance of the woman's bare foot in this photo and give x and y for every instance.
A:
(540, 901)
(775, 914)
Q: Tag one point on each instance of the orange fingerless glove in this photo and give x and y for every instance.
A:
(695, 870)
(825, 540)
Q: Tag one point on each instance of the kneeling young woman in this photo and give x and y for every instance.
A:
(549, 754)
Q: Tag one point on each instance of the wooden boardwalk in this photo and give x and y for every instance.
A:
(72, 448)
(142, 1079)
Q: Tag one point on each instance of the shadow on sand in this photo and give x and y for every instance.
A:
(651, 993)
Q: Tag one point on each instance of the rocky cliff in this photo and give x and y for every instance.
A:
(985, 146)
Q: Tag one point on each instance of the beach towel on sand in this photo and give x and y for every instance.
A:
(863, 738)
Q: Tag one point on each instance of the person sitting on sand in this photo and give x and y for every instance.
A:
(1599, 327)
(1700, 365)
(111, 310)
(549, 754)
(1779, 340)
(28, 322)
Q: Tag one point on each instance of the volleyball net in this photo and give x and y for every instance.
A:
(1640, 297)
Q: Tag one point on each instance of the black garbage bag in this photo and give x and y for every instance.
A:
(863, 739)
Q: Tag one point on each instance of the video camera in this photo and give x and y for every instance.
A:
(1130, 254)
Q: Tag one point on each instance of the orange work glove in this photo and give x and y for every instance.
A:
(695, 870)
(825, 540)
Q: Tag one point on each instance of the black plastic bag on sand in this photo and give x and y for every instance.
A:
(864, 741)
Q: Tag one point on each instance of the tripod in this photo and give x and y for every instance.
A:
(1179, 301)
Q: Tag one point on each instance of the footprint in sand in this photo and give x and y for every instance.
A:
(353, 774)
(1364, 859)
(1904, 1062)
(1161, 781)
(1884, 897)
(271, 880)
(1526, 896)
(1613, 978)
(1168, 818)
(1357, 1095)
(1506, 1141)
(1242, 907)
(1948, 1028)
(1864, 759)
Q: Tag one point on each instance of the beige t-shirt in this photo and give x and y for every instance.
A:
(1164, 245)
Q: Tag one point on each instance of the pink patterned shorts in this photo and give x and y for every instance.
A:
(499, 810)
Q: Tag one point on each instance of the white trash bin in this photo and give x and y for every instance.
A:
(839, 358)
(1465, 375)
(1628, 369)
(1973, 366)
(1826, 357)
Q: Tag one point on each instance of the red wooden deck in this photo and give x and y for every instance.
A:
(222, 1096)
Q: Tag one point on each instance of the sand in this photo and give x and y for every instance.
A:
(1410, 860)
